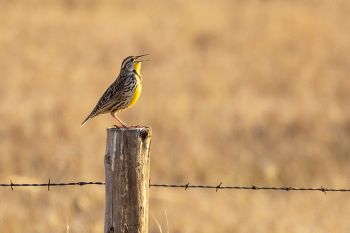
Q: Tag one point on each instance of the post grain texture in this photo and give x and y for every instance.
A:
(127, 166)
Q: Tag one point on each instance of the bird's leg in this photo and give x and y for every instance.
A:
(120, 121)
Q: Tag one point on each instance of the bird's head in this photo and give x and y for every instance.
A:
(132, 63)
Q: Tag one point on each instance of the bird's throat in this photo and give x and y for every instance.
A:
(137, 68)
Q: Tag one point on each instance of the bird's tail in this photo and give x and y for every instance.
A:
(83, 123)
(91, 115)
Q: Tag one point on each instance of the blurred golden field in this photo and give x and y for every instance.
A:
(239, 92)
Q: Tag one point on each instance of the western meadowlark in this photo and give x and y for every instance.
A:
(123, 92)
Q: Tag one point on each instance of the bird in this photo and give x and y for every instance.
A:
(123, 93)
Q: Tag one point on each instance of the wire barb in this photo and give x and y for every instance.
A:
(218, 187)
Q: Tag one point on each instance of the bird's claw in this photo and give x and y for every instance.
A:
(119, 127)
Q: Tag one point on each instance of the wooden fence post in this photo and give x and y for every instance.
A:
(127, 165)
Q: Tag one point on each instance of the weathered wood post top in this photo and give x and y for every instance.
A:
(127, 166)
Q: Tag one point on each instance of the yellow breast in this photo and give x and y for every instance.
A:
(138, 88)
(136, 94)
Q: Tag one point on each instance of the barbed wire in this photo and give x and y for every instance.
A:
(252, 187)
(186, 186)
(49, 184)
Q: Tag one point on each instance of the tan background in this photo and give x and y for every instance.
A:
(239, 92)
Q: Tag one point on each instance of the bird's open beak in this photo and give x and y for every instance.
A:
(137, 58)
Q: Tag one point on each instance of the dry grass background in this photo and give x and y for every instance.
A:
(243, 92)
